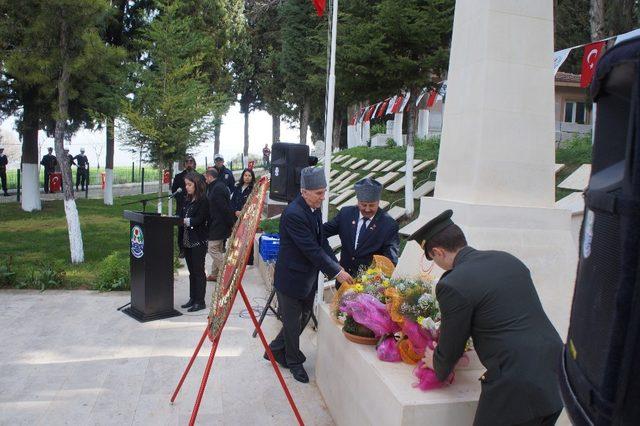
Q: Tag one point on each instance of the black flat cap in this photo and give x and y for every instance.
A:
(431, 228)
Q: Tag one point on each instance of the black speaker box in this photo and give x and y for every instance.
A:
(600, 380)
(287, 161)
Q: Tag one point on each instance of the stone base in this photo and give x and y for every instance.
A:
(359, 389)
(540, 237)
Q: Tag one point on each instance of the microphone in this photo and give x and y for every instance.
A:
(178, 191)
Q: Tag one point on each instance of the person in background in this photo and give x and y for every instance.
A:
(195, 220)
(178, 183)
(221, 219)
(224, 174)
(82, 169)
(266, 155)
(49, 162)
(240, 195)
(489, 295)
(364, 229)
(304, 251)
(3, 171)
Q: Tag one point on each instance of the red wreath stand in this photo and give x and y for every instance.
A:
(245, 227)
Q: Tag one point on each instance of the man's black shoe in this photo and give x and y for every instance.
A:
(188, 304)
(279, 357)
(299, 373)
(197, 307)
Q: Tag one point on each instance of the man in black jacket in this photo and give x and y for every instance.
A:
(49, 162)
(3, 171)
(221, 220)
(489, 296)
(224, 174)
(82, 169)
(178, 182)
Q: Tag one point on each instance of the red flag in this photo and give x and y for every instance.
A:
(319, 5)
(589, 60)
(383, 108)
(431, 100)
(397, 105)
(367, 116)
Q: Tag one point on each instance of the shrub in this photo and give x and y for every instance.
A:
(391, 143)
(45, 276)
(575, 151)
(270, 226)
(7, 276)
(113, 272)
(379, 128)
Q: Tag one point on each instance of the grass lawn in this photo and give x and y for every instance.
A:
(38, 240)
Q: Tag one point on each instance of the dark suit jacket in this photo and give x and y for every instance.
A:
(198, 213)
(489, 295)
(239, 197)
(226, 175)
(304, 251)
(178, 182)
(221, 215)
(381, 237)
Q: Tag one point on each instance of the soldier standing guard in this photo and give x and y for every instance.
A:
(82, 171)
(490, 296)
(49, 162)
(3, 171)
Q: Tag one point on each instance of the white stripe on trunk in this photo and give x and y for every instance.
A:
(31, 187)
(75, 234)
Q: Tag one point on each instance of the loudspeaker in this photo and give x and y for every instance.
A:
(287, 161)
(600, 380)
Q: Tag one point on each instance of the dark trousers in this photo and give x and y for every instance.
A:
(194, 257)
(549, 420)
(46, 181)
(81, 178)
(3, 178)
(295, 314)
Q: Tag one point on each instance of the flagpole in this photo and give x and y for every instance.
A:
(328, 133)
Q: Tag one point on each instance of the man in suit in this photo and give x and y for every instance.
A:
(364, 229)
(304, 251)
(224, 174)
(82, 170)
(489, 296)
(178, 182)
(221, 220)
(3, 171)
(49, 162)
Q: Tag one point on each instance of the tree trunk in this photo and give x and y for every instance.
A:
(108, 187)
(304, 120)
(245, 149)
(30, 159)
(275, 128)
(71, 212)
(596, 19)
(411, 128)
(216, 135)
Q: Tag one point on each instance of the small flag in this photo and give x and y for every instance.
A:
(320, 5)
(392, 102)
(396, 106)
(367, 116)
(589, 60)
(558, 59)
(442, 92)
(420, 96)
(431, 100)
(383, 108)
(405, 101)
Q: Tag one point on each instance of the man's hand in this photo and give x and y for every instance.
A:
(344, 277)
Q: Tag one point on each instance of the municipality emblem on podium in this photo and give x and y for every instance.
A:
(137, 242)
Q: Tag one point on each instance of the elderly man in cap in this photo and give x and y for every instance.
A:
(82, 171)
(178, 183)
(304, 251)
(224, 174)
(3, 171)
(364, 229)
(49, 162)
(489, 296)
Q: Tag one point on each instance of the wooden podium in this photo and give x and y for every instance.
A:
(151, 265)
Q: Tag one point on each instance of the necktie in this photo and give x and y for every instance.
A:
(363, 228)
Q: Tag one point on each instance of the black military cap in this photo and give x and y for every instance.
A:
(431, 228)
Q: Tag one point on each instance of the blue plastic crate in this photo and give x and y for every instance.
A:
(269, 247)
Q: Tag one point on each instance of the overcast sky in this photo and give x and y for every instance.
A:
(231, 137)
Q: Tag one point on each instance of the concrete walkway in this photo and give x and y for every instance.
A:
(68, 357)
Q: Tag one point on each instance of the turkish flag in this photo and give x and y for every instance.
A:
(367, 116)
(396, 106)
(383, 108)
(589, 60)
(431, 99)
(319, 5)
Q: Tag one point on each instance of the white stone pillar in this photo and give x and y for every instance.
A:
(423, 123)
(397, 128)
(366, 133)
(351, 136)
(496, 160)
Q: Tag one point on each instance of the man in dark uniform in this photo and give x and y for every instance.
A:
(224, 174)
(304, 251)
(221, 220)
(364, 229)
(49, 162)
(489, 296)
(82, 169)
(178, 182)
(3, 171)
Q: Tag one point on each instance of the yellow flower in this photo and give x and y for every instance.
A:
(359, 288)
(370, 271)
(386, 283)
(420, 319)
